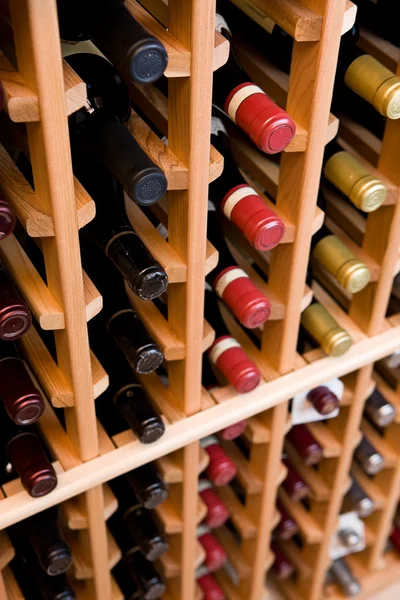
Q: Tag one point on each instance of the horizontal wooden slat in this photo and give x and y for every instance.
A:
(75, 509)
(238, 513)
(171, 567)
(172, 520)
(80, 567)
(331, 446)
(387, 53)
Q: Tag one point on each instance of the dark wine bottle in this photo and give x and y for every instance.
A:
(227, 354)
(147, 485)
(239, 202)
(323, 400)
(119, 36)
(15, 316)
(344, 577)
(42, 534)
(324, 329)
(133, 526)
(357, 500)
(295, 487)
(99, 128)
(249, 305)
(378, 16)
(139, 578)
(268, 126)
(221, 469)
(379, 410)
(305, 444)
(216, 556)
(368, 457)
(363, 189)
(35, 583)
(282, 567)
(217, 512)
(287, 526)
(330, 252)
(23, 448)
(22, 400)
(7, 215)
(123, 324)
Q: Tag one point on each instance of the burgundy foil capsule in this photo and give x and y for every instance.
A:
(215, 554)
(221, 469)
(217, 513)
(323, 400)
(294, 485)
(282, 567)
(233, 431)
(7, 217)
(26, 454)
(268, 126)
(287, 527)
(229, 357)
(306, 445)
(15, 317)
(22, 400)
(249, 305)
(210, 588)
(258, 223)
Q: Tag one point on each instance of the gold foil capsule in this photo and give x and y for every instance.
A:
(334, 340)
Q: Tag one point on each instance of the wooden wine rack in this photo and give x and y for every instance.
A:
(41, 94)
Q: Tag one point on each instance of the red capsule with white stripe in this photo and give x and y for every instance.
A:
(216, 556)
(221, 469)
(217, 512)
(208, 585)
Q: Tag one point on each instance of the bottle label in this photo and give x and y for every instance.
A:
(222, 346)
(352, 522)
(217, 126)
(211, 206)
(304, 412)
(163, 231)
(236, 197)
(221, 24)
(204, 484)
(202, 530)
(227, 278)
(238, 97)
(209, 441)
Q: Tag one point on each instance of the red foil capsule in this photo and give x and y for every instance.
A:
(22, 400)
(250, 306)
(282, 567)
(258, 223)
(215, 554)
(305, 444)
(229, 357)
(27, 456)
(7, 218)
(286, 527)
(15, 317)
(210, 588)
(217, 513)
(233, 431)
(267, 125)
(221, 469)
(294, 485)
(323, 400)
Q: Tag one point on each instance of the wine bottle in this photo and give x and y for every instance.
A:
(377, 15)
(139, 578)
(15, 316)
(249, 305)
(331, 253)
(343, 170)
(42, 534)
(343, 576)
(227, 354)
(122, 323)
(323, 400)
(221, 469)
(379, 410)
(395, 538)
(282, 567)
(349, 538)
(217, 512)
(295, 487)
(22, 400)
(99, 128)
(368, 457)
(147, 485)
(269, 127)
(134, 527)
(208, 585)
(306, 445)
(216, 556)
(7, 214)
(35, 583)
(238, 201)
(322, 327)
(119, 36)
(357, 500)
(287, 526)
(210, 383)
(23, 448)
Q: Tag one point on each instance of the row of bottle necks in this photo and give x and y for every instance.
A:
(43, 552)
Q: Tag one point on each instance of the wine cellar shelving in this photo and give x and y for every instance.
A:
(41, 94)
